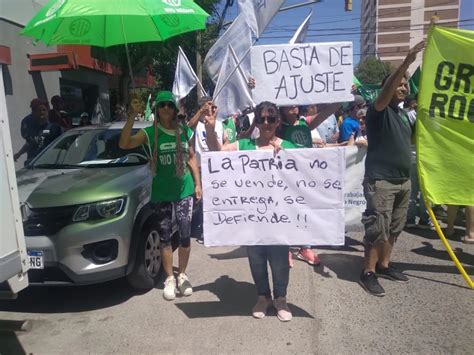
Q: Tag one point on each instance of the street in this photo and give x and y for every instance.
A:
(432, 314)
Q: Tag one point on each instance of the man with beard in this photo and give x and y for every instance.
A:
(37, 131)
(387, 177)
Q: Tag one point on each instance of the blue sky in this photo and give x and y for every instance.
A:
(330, 23)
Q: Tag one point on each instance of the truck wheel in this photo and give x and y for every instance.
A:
(147, 269)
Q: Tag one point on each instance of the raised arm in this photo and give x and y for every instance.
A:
(127, 141)
(211, 136)
(203, 110)
(392, 83)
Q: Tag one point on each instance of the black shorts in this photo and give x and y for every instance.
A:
(183, 212)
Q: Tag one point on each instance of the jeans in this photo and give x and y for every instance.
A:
(277, 256)
(413, 209)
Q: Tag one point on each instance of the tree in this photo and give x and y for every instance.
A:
(371, 70)
(161, 56)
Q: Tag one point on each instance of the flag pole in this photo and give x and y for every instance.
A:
(233, 71)
(447, 246)
(180, 51)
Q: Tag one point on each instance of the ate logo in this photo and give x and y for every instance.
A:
(79, 27)
(172, 2)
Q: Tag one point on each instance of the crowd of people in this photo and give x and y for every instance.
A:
(385, 127)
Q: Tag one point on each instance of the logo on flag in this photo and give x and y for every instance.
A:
(172, 2)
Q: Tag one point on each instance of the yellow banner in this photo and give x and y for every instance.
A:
(445, 127)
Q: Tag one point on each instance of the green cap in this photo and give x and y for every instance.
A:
(166, 96)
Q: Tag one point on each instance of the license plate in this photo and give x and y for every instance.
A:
(36, 259)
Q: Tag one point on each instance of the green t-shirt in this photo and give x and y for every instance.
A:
(298, 133)
(251, 144)
(230, 130)
(166, 185)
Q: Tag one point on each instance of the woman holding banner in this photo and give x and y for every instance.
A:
(176, 180)
(267, 119)
(297, 130)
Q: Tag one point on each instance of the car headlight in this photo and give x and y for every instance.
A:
(99, 210)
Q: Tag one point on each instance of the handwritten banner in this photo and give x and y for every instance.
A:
(256, 198)
(303, 74)
(354, 199)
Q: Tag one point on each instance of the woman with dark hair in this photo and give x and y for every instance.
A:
(267, 120)
(176, 180)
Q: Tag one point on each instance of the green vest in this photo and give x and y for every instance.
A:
(298, 134)
(230, 130)
(167, 186)
(251, 144)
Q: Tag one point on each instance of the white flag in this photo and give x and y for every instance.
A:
(302, 31)
(239, 36)
(232, 93)
(185, 79)
(259, 13)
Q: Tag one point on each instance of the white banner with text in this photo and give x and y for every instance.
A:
(302, 74)
(354, 199)
(256, 198)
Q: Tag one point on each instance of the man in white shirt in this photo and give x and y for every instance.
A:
(196, 123)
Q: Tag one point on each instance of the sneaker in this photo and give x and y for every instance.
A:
(369, 282)
(184, 286)
(390, 273)
(283, 312)
(290, 259)
(260, 309)
(309, 256)
(425, 225)
(200, 240)
(169, 292)
(410, 224)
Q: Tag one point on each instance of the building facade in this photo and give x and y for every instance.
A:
(33, 70)
(389, 28)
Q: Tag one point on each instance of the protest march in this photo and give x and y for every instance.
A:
(278, 149)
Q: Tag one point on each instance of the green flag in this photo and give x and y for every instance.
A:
(414, 81)
(445, 125)
(356, 81)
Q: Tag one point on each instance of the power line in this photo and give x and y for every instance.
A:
(392, 28)
(376, 16)
(357, 28)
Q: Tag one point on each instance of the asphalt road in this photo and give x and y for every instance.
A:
(432, 314)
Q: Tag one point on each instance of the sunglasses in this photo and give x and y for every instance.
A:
(268, 119)
(165, 104)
